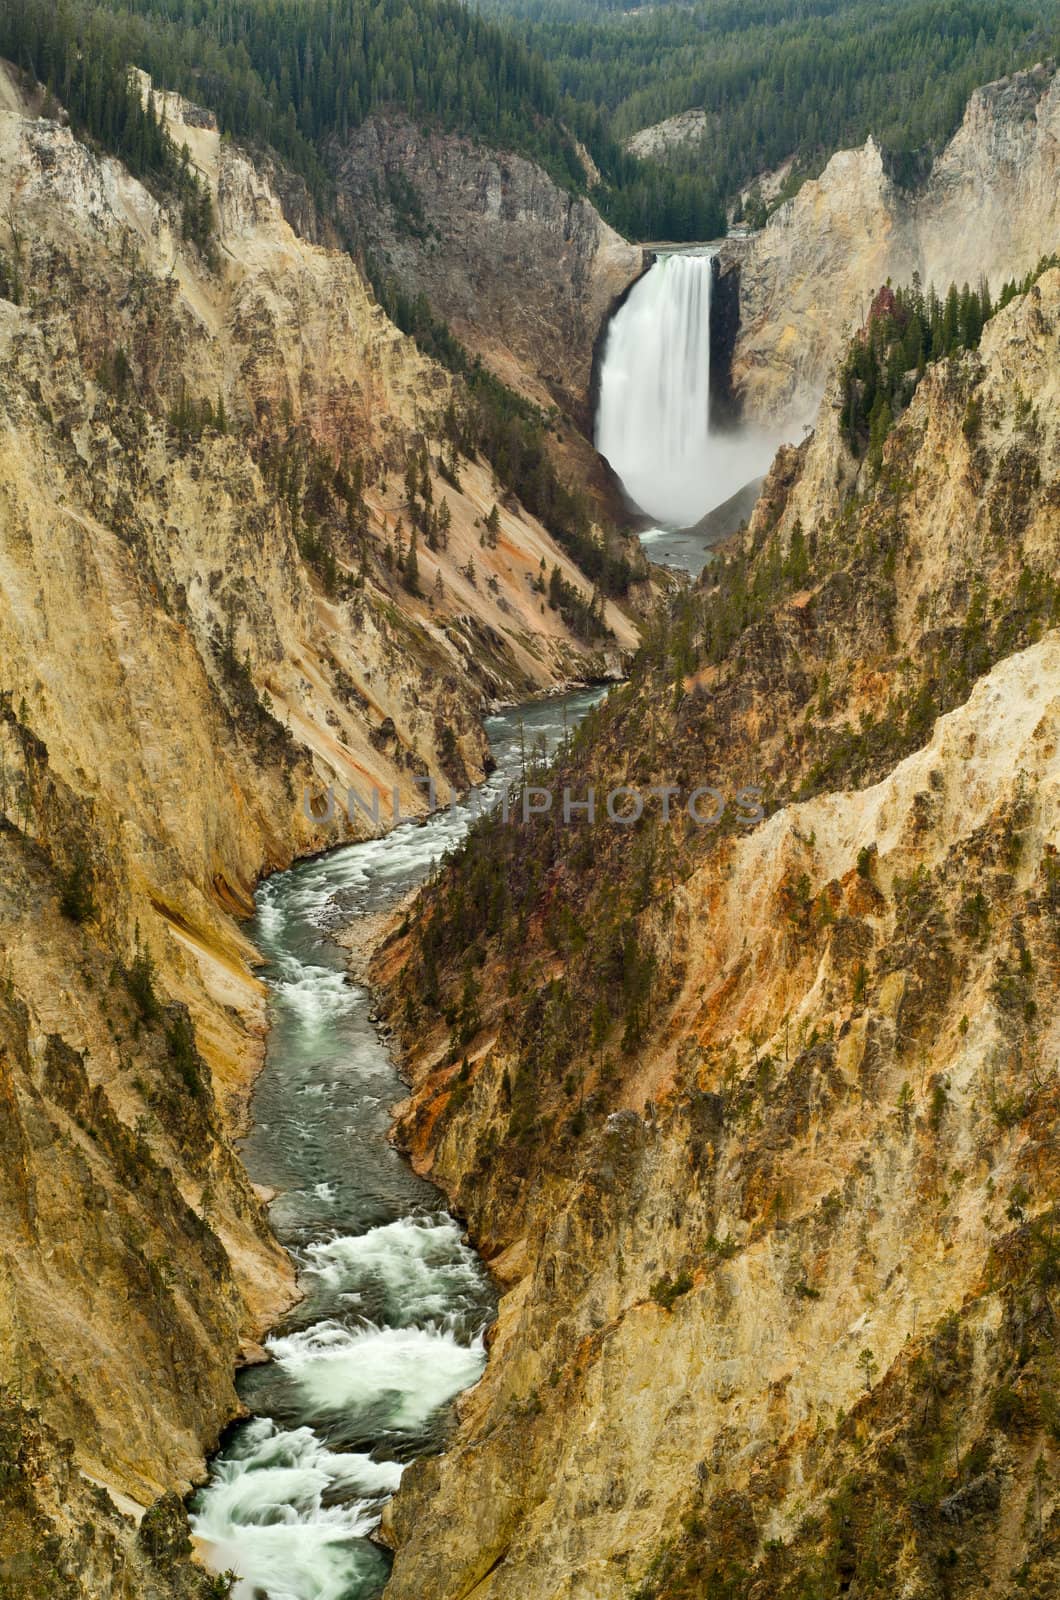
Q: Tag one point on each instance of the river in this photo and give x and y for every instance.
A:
(396, 1303)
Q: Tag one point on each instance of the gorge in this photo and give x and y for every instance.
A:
(712, 1246)
(396, 1305)
(738, 1100)
(215, 462)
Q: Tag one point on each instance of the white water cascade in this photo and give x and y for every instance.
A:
(396, 1304)
(653, 418)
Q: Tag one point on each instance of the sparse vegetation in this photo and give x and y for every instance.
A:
(667, 1290)
(75, 890)
(85, 57)
(494, 422)
(140, 982)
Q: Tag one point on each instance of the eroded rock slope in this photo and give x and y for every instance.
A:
(524, 273)
(989, 207)
(757, 1125)
(207, 614)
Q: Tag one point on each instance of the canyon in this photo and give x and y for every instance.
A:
(753, 1128)
(820, 1120)
(456, 222)
(188, 663)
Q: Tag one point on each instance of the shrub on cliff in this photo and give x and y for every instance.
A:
(140, 982)
(75, 890)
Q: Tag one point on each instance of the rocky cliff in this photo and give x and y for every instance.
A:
(989, 207)
(757, 1123)
(206, 615)
(524, 273)
(685, 128)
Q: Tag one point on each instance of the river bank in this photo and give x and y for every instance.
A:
(392, 1323)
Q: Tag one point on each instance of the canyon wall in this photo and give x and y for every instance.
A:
(989, 207)
(757, 1124)
(524, 273)
(201, 623)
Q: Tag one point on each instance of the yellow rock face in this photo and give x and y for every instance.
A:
(989, 208)
(800, 1248)
(175, 680)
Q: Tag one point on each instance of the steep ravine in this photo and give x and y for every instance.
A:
(757, 1126)
(202, 619)
(207, 612)
(396, 1304)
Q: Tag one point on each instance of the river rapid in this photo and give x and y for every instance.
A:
(396, 1303)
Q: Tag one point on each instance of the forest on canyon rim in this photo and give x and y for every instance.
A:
(752, 1126)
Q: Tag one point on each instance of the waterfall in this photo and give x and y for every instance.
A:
(653, 418)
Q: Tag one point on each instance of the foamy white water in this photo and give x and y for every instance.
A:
(266, 1515)
(396, 1302)
(392, 1380)
(417, 1270)
(653, 420)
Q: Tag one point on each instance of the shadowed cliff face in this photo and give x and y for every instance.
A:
(989, 207)
(203, 509)
(63, 1537)
(524, 273)
(724, 331)
(757, 1127)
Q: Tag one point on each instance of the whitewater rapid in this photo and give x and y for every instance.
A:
(396, 1303)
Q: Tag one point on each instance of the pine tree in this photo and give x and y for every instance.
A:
(880, 424)
(412, 485)
(951, 321)
(411, 576)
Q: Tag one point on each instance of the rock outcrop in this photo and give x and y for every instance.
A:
(656, 140)
(524, 273)
(759, 1129)
(989, 207)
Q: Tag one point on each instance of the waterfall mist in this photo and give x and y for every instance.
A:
(653, 416)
